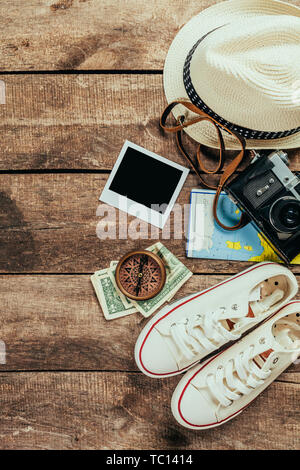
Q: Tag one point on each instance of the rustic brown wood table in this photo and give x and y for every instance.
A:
(81, 76)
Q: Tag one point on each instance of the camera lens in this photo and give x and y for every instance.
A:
(291, 217)
(285, 215)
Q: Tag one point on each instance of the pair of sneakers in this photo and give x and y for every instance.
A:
(196, 327)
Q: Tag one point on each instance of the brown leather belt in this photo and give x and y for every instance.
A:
(229, 170)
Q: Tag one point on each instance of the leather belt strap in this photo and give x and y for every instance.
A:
(229, 170)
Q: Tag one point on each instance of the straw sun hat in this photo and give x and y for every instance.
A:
(239, 62)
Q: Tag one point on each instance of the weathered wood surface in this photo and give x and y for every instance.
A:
(56, 323)
(101, 410)
(48, 224)
(82, 121)
(91, 34)
(79, 121)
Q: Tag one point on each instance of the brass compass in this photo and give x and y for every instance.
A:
(140, 275)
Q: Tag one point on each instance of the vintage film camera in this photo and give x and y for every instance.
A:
(269, 193)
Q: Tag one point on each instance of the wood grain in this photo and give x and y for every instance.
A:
(91, 34)
(48, 224)
(101, 411)
(56, 323)
(81, 122)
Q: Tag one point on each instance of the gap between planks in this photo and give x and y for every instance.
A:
(110, 371)
(82, 72)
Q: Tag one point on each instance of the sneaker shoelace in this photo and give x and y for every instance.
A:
(238, 377)
(192, 335)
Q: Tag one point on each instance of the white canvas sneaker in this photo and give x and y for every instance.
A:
(216, 391)
(183, 333)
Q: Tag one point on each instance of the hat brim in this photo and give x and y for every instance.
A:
(190, 33)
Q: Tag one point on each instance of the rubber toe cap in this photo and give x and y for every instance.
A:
(154, 356)
(192, 409)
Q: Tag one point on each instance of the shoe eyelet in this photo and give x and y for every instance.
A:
(275, 360)
(262, 341)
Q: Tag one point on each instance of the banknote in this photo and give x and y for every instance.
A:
(109, 298)
(176, 275)
(112, 275)
(115, 304)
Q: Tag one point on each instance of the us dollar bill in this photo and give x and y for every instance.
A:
(115, 304)
(109, 297)
(112, 274)
(176, 275)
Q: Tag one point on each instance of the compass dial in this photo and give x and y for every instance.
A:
(140, 275)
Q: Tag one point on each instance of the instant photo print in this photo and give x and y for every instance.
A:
(144, 184)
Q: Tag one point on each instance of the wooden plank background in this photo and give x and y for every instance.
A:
(53, 122)
(61, 327)
(81, 76)
(91, 34)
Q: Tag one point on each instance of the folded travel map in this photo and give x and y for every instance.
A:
(206, 239)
